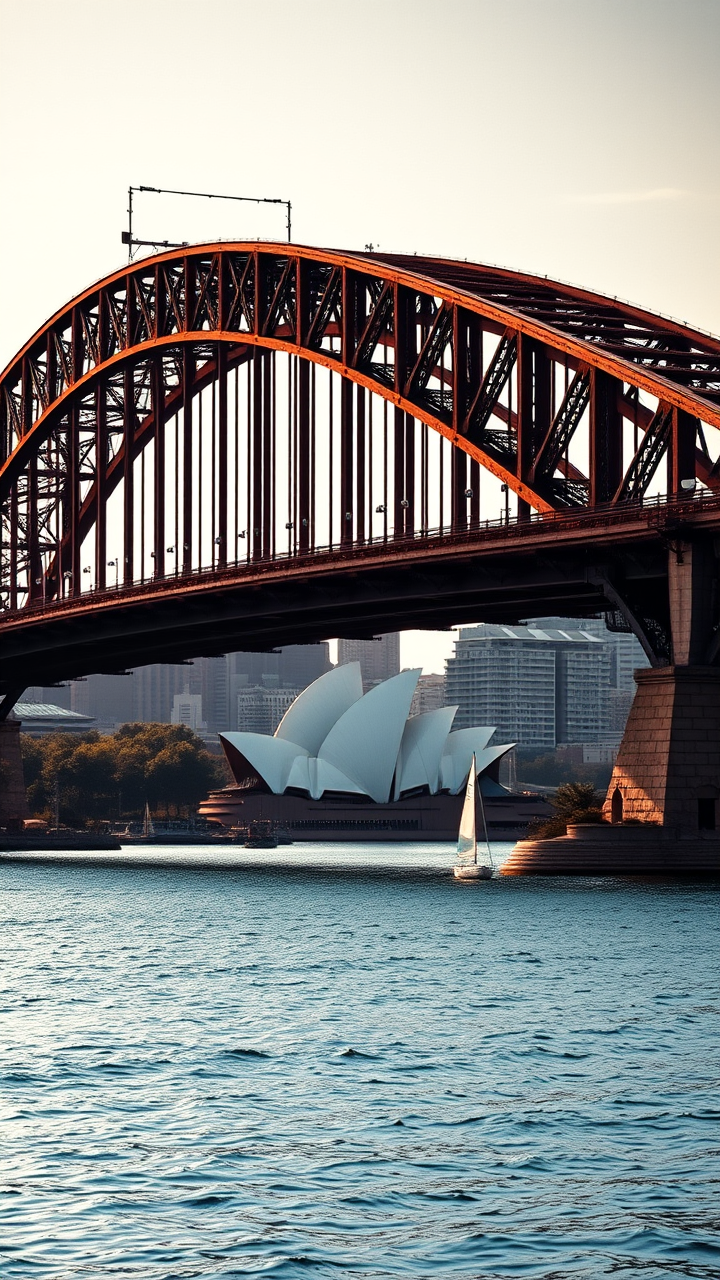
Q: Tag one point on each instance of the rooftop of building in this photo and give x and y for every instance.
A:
(40, 718)
(49, 711)
(550, 635)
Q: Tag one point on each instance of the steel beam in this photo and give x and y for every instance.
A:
(408, 330)
(606, 438)
(222, 455)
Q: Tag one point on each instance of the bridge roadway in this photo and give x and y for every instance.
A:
(572, 563)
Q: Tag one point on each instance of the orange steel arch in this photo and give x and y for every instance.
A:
(471, 351)
(639, 360)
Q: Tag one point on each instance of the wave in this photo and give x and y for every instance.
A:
(246, 1053)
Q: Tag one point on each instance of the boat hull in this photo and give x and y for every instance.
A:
(473, 872)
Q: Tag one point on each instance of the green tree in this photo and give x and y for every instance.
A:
(574, 802)
(575, 797)
(180, 776)
(32, 757)
(551, 770)
(90, 785)
(58, 772)
(166, 765)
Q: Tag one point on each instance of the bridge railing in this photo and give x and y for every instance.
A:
(668, 507)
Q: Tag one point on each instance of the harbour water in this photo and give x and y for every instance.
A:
(337, 1061)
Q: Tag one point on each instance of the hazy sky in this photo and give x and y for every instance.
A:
(576, 138)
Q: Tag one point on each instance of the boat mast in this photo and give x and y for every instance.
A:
(484, 822)
(475, 796)
(473, 771)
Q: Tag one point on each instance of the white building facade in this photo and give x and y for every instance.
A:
(552, 681)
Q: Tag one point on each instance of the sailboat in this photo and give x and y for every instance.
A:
(468, 867)
(148, 824)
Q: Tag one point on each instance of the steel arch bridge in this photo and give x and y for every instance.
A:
(227, 415)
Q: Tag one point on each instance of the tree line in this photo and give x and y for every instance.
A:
(91, 777)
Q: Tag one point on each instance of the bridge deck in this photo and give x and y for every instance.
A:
(500, 572)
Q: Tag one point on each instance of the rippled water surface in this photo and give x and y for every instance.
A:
(338, 1062)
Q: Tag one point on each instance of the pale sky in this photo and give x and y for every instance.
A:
(574, 138)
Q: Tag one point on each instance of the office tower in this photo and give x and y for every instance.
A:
(187, 710)
(108, 699)
(379, 658)
(147, 694)
(53, 695)
(214, 676)
(155, 687)
(290, 669)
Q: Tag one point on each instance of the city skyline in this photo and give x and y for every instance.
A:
(575, 676)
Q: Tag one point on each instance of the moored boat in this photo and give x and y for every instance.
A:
(468, 865)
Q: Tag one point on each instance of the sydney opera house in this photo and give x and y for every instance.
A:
(343, 765)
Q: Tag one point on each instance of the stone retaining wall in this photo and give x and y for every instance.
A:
(618, 851)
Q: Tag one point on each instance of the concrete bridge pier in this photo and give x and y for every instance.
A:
(668, 766)
(13, 800)
(663, 802)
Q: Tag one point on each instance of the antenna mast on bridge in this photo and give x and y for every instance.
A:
(132, 243)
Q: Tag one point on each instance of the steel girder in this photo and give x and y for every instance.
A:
(473, 352)
(496, 574)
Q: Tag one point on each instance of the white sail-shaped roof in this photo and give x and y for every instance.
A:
(490, 755)
(458, 753)
(299, 775)
(270, 758)
(421, 750)
(364, 743)
(333, 739)
(328, 778)
(309, 719)
(317, 776)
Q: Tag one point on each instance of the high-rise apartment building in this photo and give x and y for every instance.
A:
(260, 709)
(627, 653)
(429, 694)
(379, 658)
(505, 677)
(626, 656)
(540, 685)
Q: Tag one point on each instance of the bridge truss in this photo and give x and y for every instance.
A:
(228, 405)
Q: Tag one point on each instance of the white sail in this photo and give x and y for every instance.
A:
(148, 827)
(467, 839)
